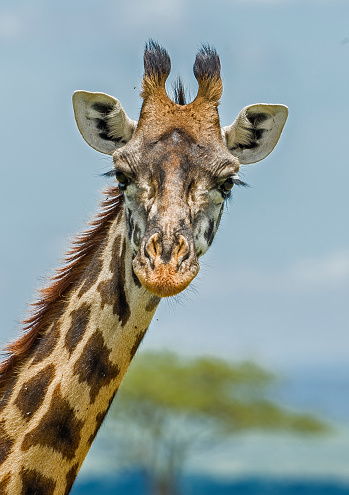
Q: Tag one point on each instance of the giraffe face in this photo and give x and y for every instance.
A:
(176, 165)
(174, 189)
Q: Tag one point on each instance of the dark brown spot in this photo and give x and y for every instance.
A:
(59, 429)
(99, 419)
(114, 265)
(137, 234)
(91, 274)
(80, 318)
(8, 392)
(129, 223)
(113, 290)
(136, 279)
(70, 478)
(33, 392)
(49, 337)
(138, 340)
(6, 443)
(35, 483)
(153, 303)
(4, 483)
(220, 216)
(94, 366)
(47, 344)
(209, 233)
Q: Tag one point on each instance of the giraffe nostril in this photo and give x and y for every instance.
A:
(152, 247)
(182, 249)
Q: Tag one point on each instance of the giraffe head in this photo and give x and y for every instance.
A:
(176, 165)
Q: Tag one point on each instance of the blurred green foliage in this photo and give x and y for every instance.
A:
(168, 405)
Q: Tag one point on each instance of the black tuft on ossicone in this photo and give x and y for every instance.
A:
(156, 60)
(179, 92)
(207, 63)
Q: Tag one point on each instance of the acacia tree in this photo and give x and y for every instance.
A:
(168, 405)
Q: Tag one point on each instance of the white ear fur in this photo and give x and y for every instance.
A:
(255, 131)
(102, 121)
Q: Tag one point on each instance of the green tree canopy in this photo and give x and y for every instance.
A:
(172, 403)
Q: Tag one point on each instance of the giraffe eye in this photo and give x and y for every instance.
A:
(122, 180)
(228, 184)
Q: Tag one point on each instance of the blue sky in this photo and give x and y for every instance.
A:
(274, 286)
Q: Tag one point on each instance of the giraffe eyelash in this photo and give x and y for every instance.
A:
(239, 182)
(110, 173)
(123, 179)
(227, 185)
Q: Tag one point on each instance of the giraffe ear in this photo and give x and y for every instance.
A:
(102, 121)
(255, 132)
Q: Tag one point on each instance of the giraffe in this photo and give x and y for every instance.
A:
(173, 170)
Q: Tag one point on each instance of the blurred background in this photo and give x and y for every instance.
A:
(273, 289)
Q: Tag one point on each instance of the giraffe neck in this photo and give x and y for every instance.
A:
(53, 406)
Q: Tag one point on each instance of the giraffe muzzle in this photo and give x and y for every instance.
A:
(166, 265)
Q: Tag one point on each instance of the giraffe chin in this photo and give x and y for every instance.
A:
(164, 280)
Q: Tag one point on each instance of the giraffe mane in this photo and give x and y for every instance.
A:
(74, 264)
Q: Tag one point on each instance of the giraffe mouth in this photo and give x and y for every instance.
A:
(164, 279)
(166, 268)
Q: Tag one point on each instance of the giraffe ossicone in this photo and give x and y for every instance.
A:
(174, 169)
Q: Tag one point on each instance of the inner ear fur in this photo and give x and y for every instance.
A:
(255, 132)
(102, 121)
